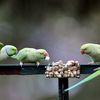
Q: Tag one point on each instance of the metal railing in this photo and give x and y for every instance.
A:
(16, 69)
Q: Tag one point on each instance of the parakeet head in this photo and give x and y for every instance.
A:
(88, 48)
(10, 50)
(43, 54)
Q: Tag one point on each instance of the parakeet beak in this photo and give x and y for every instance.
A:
(47, 56)
(82, 52)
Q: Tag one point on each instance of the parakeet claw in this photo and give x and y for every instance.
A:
(91, 62)
(37, 63)
(21, 64)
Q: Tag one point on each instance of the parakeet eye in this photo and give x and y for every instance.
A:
(13, 49)
(44, 53)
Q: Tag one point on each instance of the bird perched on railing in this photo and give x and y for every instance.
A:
(7, 51)
(31, 55)
(93, 51)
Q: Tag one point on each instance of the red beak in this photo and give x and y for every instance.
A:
(47, 56)
(82, 52)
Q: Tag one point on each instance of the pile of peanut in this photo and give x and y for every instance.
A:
(61, 70)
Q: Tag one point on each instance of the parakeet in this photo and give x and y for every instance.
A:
(31, 55)
(7, 51)
(92, 50)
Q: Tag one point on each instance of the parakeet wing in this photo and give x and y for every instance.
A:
(25, 53)
(20, 55)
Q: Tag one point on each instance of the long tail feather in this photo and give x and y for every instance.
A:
(90, 77)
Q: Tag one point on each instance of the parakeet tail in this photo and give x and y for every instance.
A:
(90, 77)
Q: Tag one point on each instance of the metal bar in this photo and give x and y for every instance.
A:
(62, 85)
(29, 69)
(16, 69)
(34, 69)
(88, 68)
(26, 69)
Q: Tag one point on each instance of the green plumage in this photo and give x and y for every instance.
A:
(30, 55)
(7, 51)
(92, 50)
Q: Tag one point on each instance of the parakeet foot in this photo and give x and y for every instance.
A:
(91, 62)
(37, 63)
(21, 64)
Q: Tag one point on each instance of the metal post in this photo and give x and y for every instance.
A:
(62, 85)
(16, 69)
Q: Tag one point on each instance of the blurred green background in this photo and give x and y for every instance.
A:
(59, 26)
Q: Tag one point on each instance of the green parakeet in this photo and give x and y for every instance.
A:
(31, 55)
(7, 51)
(92, 50)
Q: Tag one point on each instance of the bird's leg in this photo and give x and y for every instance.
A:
(95, 68)
(91, 62)
(37, 63)
(21, 64)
